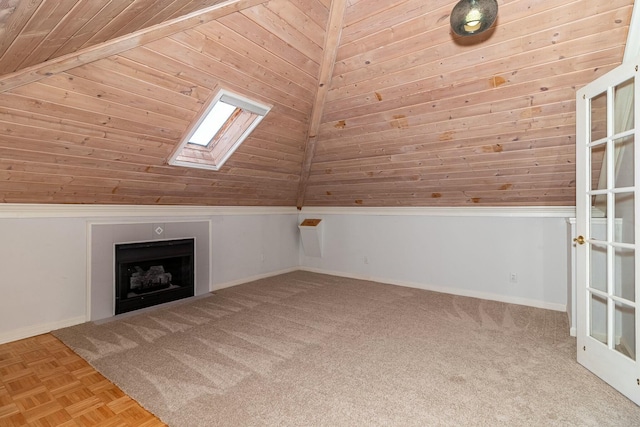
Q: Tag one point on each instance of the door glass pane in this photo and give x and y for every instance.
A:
(623, 94)
(624, 273)
(623, 161)
(598, 314)
(625, 330)
(598, 167)
(624, 218)
(599, 117)
(598, 267)
(599, 229)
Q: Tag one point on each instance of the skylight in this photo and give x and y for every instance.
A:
(213, 121)
(223, 125)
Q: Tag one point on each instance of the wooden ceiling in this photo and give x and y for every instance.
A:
(375, 102)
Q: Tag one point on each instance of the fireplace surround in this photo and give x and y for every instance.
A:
(153, 272)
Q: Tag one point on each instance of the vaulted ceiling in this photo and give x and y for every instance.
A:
(375, 102)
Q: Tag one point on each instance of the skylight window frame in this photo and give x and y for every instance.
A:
(211, 156)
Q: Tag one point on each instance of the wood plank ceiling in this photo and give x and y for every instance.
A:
(375, 103)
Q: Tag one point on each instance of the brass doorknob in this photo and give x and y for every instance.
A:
(579, 240)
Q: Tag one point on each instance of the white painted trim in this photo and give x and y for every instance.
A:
(210, 233)
(507, 211)
(446, 290)
(20, 210)
(217, 286)
(48, 327)
(31, 331)
(89, 235)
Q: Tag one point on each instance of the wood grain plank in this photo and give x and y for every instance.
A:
(517, 140)
(42, 148)
(315, 10)
(350, 84)
(135, 18)
(147, 81)
(270, 42)
(59, 97)
(389, 14)
(503, 176)
(13, 20)
(121, 44)
(108, 13)
(220, 52)
(71, 23)
(273, 23)
(527, 82)
(298, 19)
(331, 42)
(151, 175)
(170, 11)
(359, 10)
(199, 78)
(25, 123)
(47, 17)
(326, 3)
(258, 55)
(414, 116)
(112, 29)
(217, 71)
(121, 95)
(100, 119)
(548, 102)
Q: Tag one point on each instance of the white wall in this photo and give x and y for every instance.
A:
(43, 255)
(465, 254)
(43, 266)
(248, 247)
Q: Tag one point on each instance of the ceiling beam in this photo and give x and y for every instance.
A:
(121, 44)
(331, 42)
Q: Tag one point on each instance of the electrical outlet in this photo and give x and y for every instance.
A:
(513, 278)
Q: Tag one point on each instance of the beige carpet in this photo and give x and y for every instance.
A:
(305, 349)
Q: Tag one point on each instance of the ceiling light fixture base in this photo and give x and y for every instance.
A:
(471, 17)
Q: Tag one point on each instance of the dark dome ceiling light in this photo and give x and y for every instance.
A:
(471, 17)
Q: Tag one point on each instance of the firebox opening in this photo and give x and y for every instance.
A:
(151, 273)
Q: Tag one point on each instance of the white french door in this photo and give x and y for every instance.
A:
(607, 209)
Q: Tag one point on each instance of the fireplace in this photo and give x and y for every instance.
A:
(151, 273)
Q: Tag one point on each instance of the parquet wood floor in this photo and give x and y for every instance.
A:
(44, 383)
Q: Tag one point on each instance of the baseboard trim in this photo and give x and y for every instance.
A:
(48, 327)
(34, 330)
(446, 290)
(217, 286)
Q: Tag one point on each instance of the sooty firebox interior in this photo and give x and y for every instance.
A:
(155, 272)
